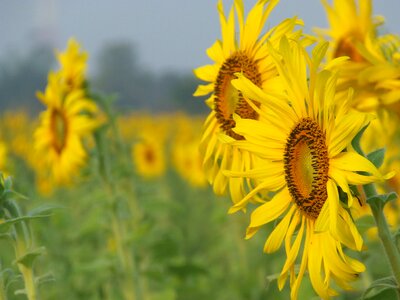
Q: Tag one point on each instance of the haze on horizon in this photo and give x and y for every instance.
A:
(169, 35)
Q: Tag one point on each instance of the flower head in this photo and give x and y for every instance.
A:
(303, 139)
(249, 55)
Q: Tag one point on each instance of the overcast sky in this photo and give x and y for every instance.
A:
(171, 34)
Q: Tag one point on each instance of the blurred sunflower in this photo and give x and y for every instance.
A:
(149, 157)
(67, 120)
(73, 65)
(372, 69)
(304, 136)
(351, 22)
(385, 126)
(381, 77)
(3, 158)
(247, 54)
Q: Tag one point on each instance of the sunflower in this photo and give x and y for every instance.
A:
(3, 158)
(185, 153)
(248, 54)
(351, 22)
(304, 139)
(386, 127)
(58, 139)
(149, 157)
(73, 65)
(381, 77)
(352, 31)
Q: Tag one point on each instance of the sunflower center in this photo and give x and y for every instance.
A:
(228, 100)
(149, 155)
(59, 127)
(346, 47)
(306, 165)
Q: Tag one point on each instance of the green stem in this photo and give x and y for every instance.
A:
(22, 243)
(125, 255)
(385, 236)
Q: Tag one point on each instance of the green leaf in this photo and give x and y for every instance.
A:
(8, 183)
(45, 278)
(7, 223)
(28, 258)
(10, 194)
(378, 287)
(381, 200)
(44, 210)
(376, 157)
(356, 141)
(20, 292)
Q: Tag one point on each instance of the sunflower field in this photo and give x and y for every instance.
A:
(287, 188)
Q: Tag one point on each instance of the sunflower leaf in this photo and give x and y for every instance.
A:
(5, 224)
(28, 258)
(48, 277)
(44, 210)
(380, 287)
(376, 157)
(382, 199)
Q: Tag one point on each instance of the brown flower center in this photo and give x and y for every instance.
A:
(346, 47)
(59, 129)
(149, 155)
(228, 100)
(306, 166)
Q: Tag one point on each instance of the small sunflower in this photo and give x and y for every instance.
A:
(303, 139)
(247, 54)
(351, 22)
(3, 158)
(185, 153)
(380, 79)
(149, 157)
(66, 121)
(353, 33)
(73, 65)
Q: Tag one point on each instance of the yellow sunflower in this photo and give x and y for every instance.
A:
(353, 33)
(185, 153)
(380, 79)
(351, 22)
(247, 54)
(386, 127)
(3, 158)
(304, 138)
(58, 139)
(149, 157)
(73, 65)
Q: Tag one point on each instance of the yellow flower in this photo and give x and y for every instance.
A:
(373, 68)
(350, 23)
(384, 132)
(3, 157)
(185, 151)
(59, 138)
(380, 79)
(247, 54)
(303, 138)
(73, 65)
(149, 157)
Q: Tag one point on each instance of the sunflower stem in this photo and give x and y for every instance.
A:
(125, 253)
(384, 234)
(23, 241)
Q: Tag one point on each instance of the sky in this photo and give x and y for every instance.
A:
(169, 35)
